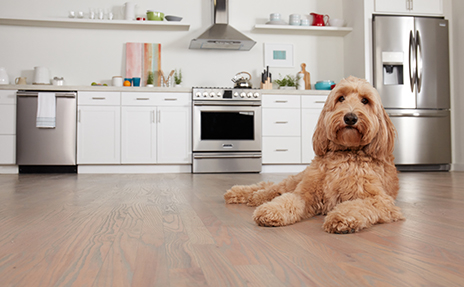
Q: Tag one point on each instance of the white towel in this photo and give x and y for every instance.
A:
(46, 110)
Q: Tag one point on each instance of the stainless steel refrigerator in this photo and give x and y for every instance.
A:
(411, 73)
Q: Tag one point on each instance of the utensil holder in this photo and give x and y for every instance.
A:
(267, 85)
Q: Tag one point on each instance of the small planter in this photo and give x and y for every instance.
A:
(287, 88)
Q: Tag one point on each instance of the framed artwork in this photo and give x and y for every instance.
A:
(278, 55)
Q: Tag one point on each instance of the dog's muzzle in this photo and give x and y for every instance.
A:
(350, 119)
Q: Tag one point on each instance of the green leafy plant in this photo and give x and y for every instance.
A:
(178, 77)
(151, 78)
(287, 81)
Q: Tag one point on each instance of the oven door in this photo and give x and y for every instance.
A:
(226, 128)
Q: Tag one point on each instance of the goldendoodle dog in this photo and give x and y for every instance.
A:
(352, 178)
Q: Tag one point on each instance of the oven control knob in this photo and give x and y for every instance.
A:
(256, 95)
(198, 94)
(205, 94)
(236, 95)
(219, 95)
(242, 95)
(249, 95)
(212, 94)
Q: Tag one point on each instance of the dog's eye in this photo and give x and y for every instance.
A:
(341, 99)
(364, 101)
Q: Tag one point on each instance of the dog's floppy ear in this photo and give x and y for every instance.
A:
(383, 143)
(320, 140)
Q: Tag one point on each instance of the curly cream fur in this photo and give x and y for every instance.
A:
(352, 179)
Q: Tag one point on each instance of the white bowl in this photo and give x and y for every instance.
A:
(336, 22)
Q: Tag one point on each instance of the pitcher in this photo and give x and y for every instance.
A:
(320, 19)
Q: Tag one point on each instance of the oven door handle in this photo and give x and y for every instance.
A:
(209, 156)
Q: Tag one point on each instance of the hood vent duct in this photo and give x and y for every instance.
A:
(221, 35)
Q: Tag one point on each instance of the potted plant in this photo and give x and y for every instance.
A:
(150, 79)
(287, 82)
(178, 78)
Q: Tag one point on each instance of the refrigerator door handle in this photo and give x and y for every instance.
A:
(419, 61)
(412, 60)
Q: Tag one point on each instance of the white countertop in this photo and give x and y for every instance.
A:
(148, 89)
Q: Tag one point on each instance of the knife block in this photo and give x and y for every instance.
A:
(267, 85)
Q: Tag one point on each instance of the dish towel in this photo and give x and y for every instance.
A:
(46, 110)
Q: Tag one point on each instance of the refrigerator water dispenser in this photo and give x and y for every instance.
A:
(392, 68)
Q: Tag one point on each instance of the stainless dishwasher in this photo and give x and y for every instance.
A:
(46, 150)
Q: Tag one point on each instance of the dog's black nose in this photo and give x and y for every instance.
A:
(350, 119)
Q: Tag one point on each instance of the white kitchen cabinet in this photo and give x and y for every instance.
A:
(432, 7)
(99, 128)
(138, 135)
(311, 107)
(8, 127)
(156, 128)
(174, 135)
(281, 126)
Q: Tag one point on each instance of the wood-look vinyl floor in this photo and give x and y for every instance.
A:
(175, 230)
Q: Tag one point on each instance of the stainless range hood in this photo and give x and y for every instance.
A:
(221, 35)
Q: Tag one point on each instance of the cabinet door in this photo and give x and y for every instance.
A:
(7, 119)
(99, 135)
(309, 118)
(8, 149)
(392, 6)
(138, 135)
(410, 6)
(174, 135)
(427, 6)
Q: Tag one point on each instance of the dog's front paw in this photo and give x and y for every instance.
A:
(261, 196)
(237, 194)
(283, 210)
(336, 223)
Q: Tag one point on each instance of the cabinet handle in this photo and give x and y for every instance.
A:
(281, 149)
(281, 122)
(143, 99)
(159, 116)
(98, 98)
(170, 99)
(411, 6)
(79, 116)
(281, 101)
(153, 116)
(320, 102)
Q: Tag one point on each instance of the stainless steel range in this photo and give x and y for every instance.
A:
(226, 130)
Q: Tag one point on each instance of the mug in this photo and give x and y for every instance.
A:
(136, 82)
(20, 81)
(117, 81)
(320, 19)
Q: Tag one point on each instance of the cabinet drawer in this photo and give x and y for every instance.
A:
(313, 102)
(155, 99)
(281, 122)
(281, 150)
(174, 99)
(138, 99)
(99, 98)
(8, 97)
(281, 101)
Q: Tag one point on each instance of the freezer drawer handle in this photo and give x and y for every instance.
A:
(98, 98)
(282, 122)
(281, 101)
(281, 149)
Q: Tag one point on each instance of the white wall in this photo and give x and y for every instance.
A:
(83, 56)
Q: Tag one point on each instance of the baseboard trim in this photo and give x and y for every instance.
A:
(105, 169)
(281, 168)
